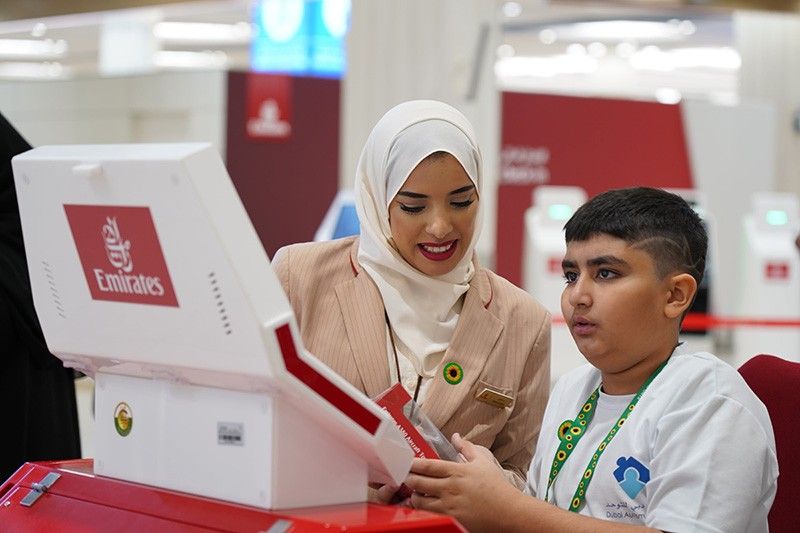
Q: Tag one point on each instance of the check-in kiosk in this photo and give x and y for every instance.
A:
(148, 276)
(695, 331)
(543, 278)
(770, 278)
(341, 219)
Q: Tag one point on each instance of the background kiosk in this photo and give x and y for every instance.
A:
(770, 277)
(543, 278)
(696, 331)
(341, 219)
(147, 275)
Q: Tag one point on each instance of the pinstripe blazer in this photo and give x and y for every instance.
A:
(501, 341)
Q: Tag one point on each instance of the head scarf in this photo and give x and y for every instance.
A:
(422, 310)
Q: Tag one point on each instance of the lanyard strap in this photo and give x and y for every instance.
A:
(397, 363)
(571, 431)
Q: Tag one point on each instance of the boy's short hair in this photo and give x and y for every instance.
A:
(657, 221)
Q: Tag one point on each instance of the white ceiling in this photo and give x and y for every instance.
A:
(528, 27)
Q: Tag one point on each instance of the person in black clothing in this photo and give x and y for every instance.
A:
(40, 416)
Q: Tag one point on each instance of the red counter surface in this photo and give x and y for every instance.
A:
(80, 501)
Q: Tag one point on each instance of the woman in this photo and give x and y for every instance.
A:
(407, 300)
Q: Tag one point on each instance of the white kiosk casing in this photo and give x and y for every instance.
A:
(148, 275)
(770, 277)
(543, 277)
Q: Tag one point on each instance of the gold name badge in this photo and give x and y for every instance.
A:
(494, 398)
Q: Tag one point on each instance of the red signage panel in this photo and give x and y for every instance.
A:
(594, 143)
(269, 106)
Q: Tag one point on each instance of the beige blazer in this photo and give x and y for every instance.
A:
(501, 341)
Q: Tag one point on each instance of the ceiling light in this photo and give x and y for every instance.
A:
(687, 27)
(653, 58)
(596, 49)
(576, 49)
(548, 36)
(33, 48)
(545, 67)
(183, 59)
(668, 95)
(33, 70)
(505, 50)
(722, 57)
(625, 49)
(39, 29)
(239, 33)
(621, 30)
(512, 9)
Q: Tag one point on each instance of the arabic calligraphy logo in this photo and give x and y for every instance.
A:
(117, 249)
(631, 475)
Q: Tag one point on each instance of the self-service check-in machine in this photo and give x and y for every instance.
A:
(695, 331)
(148, 276)
(341, 219)
(543, 278)
(770, 277)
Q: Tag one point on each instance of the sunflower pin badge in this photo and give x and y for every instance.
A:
(453, 373)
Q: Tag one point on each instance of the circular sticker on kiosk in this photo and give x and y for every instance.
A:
(123, 419)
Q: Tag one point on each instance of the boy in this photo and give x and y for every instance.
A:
(648, 436)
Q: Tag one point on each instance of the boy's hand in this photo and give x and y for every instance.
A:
(472, 491)
(386, 495)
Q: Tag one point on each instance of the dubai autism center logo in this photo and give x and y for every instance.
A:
(631, 475)
(108, 238)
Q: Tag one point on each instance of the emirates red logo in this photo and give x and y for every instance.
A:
(120, 254)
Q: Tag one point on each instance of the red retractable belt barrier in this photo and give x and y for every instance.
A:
(702, 322)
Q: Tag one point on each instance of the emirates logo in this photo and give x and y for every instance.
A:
(119, 255)
(117, 249)
(108, 238)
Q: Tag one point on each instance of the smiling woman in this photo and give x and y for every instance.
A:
(432, 217)
(407, 301)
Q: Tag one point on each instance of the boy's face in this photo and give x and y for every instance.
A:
(614, 303)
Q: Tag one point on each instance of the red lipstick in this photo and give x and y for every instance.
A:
(438, 251)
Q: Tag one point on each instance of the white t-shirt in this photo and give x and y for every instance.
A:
(696, 454)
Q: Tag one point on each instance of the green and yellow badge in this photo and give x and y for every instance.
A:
(563, 428)
(123, 419)
(453, 374)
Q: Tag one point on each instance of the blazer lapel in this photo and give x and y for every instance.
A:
(475, 336)
(362, 312)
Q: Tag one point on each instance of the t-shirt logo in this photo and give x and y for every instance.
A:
(631, 475)
(120, 254)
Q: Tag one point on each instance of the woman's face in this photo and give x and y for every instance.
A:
(432, 217)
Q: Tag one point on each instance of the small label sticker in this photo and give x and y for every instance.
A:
(230, 433)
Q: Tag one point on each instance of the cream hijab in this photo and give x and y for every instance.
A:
(423, 310)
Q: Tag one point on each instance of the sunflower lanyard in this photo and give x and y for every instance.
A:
(571, 431)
